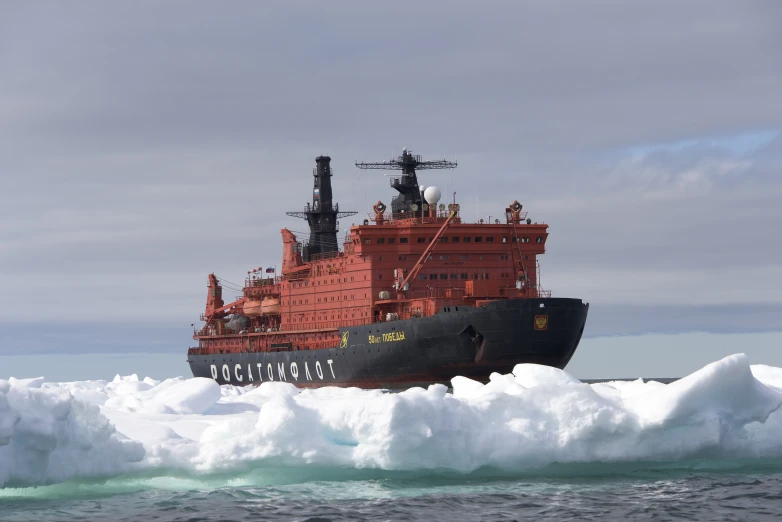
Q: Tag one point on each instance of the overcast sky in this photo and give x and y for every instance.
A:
(146, 144)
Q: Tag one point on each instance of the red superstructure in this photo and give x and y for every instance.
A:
(402, 263)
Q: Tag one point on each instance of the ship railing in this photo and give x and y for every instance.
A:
(292, 327)
(299, 276)
(436, 292)
(325, 325)
(434, 217)
(254, 281)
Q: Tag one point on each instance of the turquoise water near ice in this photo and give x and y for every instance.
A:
(696, 490)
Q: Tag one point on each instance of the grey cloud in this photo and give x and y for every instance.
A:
(143, 145)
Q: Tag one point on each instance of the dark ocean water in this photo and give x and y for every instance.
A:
(727, 491)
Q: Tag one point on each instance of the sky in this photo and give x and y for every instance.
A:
(145, 144)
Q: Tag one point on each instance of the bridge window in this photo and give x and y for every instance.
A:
(432, 276)
(478, 239)
(422, 277)
(540, 239)
(403, 240)
(463, 276)
(467, 239)
(455, 239)
(490, 239)
(421, 239)
(454, 276)
(391, 240)
(443, 239)
(504, 239)
(464, 257)
(443, 276)
(525, 239)
(381, 240)
(366, 241)
(380, 276)
(443, 258)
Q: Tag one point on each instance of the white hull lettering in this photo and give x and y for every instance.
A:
(319, 370)
(295, 370)
(239, 376)
(281, 371)
(214, 371)
(260, 371)
(331, 368)
(307, 371)
(249, 374)
(226, 373)
(269, 373)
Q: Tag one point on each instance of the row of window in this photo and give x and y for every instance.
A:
(462, 257)
(306, 318)
(320, 299)
(455, 239)
(463, 276)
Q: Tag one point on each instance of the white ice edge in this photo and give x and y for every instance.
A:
(51, 432)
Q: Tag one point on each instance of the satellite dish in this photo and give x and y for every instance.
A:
(414, 207)
(432, 195)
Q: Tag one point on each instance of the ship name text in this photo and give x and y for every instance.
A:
(386, 337)
(236, 373)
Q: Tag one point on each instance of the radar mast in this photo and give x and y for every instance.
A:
(410, 193)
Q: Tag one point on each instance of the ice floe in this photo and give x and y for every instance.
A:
(534, 416)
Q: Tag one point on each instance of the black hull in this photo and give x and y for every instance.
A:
(473, 342)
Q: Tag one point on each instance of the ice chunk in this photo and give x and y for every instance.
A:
(531, 375)
(34, 382)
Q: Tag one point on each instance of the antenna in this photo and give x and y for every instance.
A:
(407, 183)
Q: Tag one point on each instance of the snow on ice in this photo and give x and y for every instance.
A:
(51, 432)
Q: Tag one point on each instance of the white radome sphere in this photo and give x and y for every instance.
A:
(432, 195)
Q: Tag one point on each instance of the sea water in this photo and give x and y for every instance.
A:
(533, 444)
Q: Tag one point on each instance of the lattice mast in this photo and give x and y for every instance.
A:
(407, 184)
(322, 214)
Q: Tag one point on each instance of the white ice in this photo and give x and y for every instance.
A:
(51, 432)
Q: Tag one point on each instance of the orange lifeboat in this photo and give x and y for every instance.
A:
(270, 306)
(252, 308)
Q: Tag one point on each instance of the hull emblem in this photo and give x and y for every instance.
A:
(344, 342)
(541, 322)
